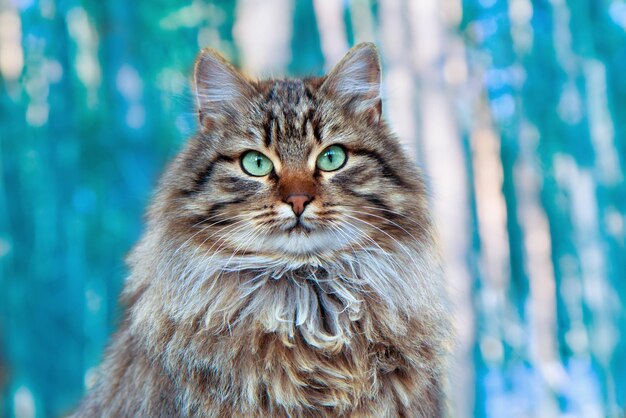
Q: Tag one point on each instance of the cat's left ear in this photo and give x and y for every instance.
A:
(356, 82)
(222, 92)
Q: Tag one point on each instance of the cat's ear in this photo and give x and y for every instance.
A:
(222, 92)
(356, 83)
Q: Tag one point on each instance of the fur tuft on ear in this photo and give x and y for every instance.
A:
(355, 81)
(221, 90)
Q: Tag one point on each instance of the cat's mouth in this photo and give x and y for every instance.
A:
(299, 227)
(307, 235)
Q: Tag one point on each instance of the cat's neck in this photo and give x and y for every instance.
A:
(320, 301)
(289, 325)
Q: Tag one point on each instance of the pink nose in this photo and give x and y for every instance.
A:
(298, 202)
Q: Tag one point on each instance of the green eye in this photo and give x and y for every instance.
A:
(256, 164)
(332, 158)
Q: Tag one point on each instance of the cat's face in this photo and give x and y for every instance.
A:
(297, 168)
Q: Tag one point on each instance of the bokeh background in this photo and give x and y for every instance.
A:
(515, 110)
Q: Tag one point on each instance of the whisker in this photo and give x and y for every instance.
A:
(204, 228)
(208, 262)
(408, 218)
(384, 252)
(385, 219)
(402, 246)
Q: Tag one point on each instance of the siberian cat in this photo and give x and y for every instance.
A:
(289, 267)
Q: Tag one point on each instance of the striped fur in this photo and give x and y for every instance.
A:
(232, 311)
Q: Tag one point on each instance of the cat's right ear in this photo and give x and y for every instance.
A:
(222, 92)
(356, 82)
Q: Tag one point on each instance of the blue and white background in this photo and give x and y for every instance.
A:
(514, 109)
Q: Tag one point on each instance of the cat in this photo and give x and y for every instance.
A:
(289, 267)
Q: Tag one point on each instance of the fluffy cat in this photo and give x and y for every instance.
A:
(289, 267)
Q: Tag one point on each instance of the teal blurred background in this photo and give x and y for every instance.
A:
(515, 110)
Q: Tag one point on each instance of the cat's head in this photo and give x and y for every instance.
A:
(303, 169)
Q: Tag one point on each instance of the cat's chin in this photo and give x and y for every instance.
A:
(301, 241)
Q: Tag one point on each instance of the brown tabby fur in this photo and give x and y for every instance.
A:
(232, 311)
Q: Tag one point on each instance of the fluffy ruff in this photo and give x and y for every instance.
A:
(362, 336)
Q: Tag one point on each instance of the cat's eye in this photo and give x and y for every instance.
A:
(332, 158)
(256, 164)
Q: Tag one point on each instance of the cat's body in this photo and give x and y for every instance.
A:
(302, 292)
